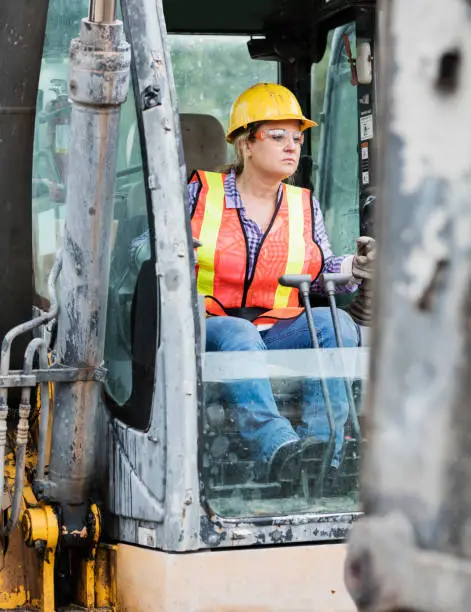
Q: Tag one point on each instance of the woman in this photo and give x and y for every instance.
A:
(253, 228)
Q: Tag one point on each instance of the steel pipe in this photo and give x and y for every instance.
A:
(98, 88)
(102, 11)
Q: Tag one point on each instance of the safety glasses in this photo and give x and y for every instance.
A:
(280, 135)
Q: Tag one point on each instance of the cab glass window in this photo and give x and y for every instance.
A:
(129, 351)
(211, 71)
(250, 396)
(335, 144)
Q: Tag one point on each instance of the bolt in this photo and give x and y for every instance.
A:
(213, 540)
(151, 97)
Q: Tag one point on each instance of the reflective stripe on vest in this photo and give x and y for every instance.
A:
(287, 247)
(209, 231)
(296, 246)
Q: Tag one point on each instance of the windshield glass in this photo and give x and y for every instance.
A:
(51, 146)
(335, 144)
(253, 400)
(281, 423)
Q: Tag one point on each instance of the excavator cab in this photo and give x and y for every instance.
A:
(172, 472)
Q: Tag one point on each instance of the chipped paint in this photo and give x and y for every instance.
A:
(428, 124)
(424, 258)
(15, 598)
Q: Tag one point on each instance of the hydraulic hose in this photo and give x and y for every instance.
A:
(28, 326)
(38, 344)
(5, 368)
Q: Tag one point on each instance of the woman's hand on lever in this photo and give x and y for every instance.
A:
(364, 260)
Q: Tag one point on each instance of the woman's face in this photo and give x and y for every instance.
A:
(276, 149)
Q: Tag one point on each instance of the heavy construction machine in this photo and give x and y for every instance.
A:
(126, 485)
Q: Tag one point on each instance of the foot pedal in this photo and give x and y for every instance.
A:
(345, 480)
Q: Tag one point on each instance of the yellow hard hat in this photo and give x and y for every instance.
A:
(265, 102)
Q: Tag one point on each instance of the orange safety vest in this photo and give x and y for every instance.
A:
(288, 247)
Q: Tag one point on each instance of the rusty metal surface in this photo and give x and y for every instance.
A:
(418, 460)
(17, 378)
(20, 570)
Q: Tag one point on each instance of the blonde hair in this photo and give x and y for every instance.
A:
(238, 142)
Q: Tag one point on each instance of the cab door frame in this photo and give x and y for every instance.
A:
(153, 495)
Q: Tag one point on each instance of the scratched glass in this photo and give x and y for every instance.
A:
(324, 478)
(234, 480)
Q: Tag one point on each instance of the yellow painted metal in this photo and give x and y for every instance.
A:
(29, 499)
(86, 582)
(86, 588)
(14, 599)
(19, 575)
(41, 529)
(105, 577)
(21, 568)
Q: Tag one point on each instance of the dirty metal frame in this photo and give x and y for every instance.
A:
(412, 551)
(99, 80)
(176, 517)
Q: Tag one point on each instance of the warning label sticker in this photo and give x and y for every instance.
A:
(366, 127)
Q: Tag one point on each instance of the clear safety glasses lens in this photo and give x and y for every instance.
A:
(281, 136)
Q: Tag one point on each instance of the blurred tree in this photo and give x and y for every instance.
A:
(211, 71)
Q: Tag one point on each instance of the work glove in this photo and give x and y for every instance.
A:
(361, 308)
(363, 261)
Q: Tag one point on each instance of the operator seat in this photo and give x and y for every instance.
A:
(204, 142)
(204, 148)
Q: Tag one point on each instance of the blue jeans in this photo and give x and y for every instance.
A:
(255, 409)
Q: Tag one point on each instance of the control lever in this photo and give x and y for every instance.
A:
(302, 282)
(330, 283)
